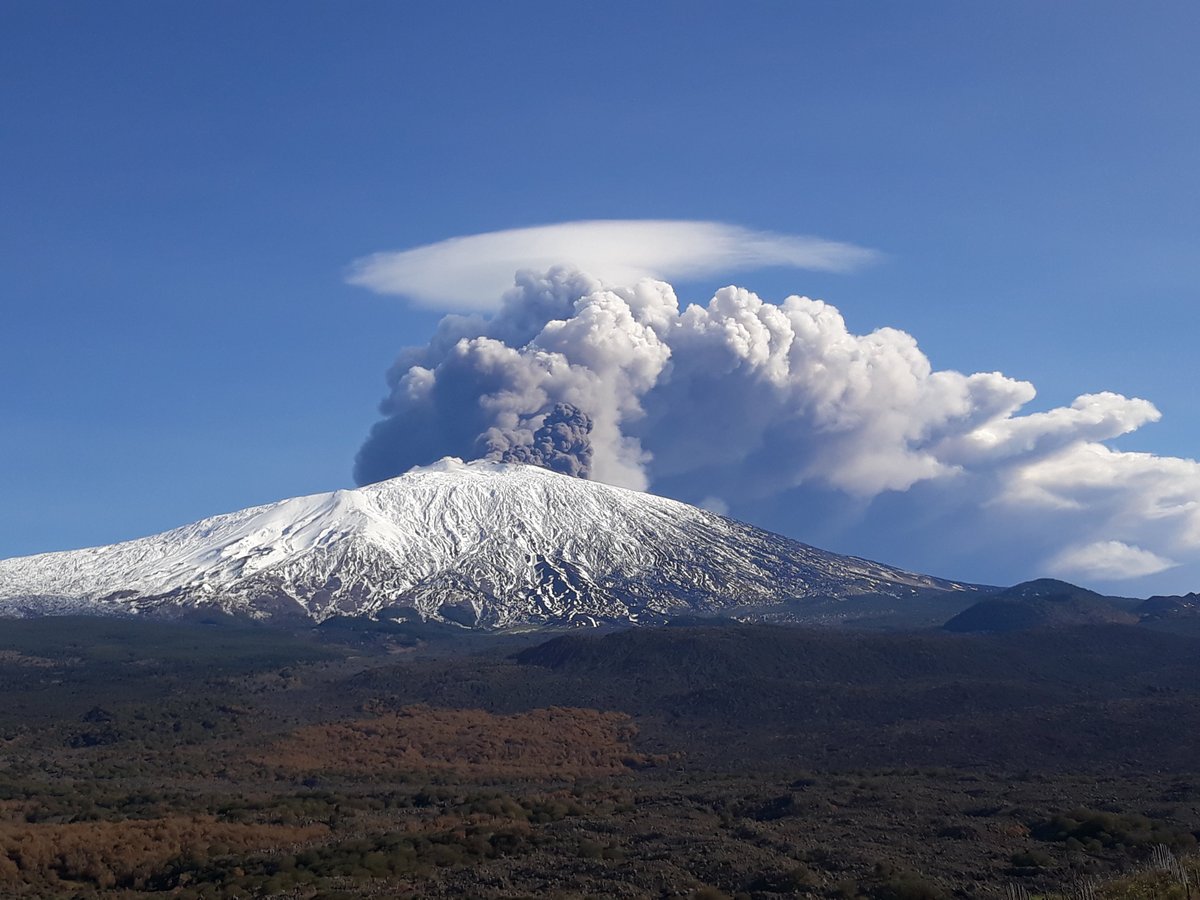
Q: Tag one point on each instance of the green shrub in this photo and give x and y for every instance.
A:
(1032, 859)
(1092, 832)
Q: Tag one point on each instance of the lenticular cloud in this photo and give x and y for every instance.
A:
(740, 399)
(472, 272)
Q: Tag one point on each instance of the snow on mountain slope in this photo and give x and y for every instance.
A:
(482, 544)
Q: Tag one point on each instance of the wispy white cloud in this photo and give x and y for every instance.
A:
(471, 273)
(1108, 561)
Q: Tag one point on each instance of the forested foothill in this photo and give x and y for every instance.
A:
(355, 759)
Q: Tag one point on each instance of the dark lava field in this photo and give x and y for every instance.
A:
(712, 760)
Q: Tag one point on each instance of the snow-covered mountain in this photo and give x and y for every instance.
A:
(482, 544)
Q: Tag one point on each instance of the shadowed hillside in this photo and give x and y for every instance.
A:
(1044, 603)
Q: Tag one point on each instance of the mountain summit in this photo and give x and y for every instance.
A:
(481, 544)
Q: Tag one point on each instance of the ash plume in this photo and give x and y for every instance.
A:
(741, 402)
(561, 442)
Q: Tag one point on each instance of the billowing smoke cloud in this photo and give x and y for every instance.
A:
(740, 401)
(472, 272)
(561, 443)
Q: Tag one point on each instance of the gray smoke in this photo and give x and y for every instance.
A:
(562, 443)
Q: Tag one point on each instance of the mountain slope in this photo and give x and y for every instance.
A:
(481, 544)
(1043, 603)
(1180, 614)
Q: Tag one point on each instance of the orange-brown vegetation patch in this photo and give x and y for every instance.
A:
(540, 743)
(131, 852)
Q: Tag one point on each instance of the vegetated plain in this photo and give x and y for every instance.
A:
(223, 760)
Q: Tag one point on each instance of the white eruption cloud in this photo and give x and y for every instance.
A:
(740, 399)
(473, 272)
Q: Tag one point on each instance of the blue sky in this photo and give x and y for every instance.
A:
(184, 186)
